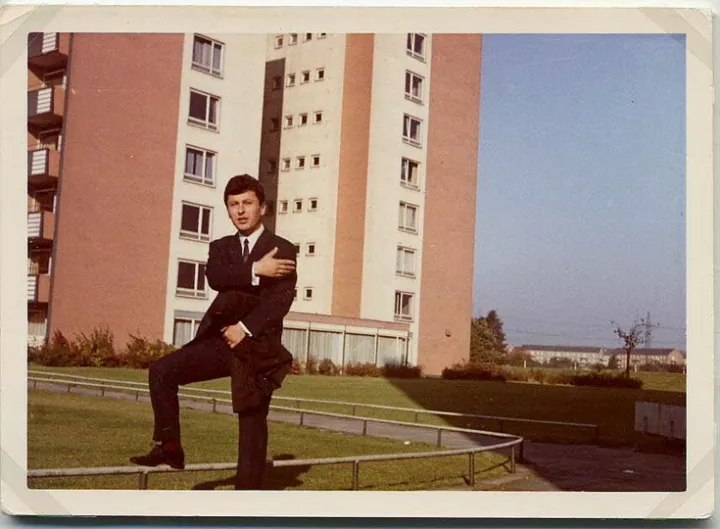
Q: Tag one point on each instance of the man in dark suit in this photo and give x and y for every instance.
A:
(254, 261)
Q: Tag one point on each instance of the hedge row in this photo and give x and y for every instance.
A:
(98, 350)
(368, 369)
(500, 373)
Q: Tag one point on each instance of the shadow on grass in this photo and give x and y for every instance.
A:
(567, 457)
(276, 478)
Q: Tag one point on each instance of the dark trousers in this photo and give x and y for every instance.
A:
(207, 359)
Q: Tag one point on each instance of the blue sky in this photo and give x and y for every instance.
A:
(581, 187)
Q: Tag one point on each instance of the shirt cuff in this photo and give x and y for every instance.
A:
(255, 279)
(247, 331)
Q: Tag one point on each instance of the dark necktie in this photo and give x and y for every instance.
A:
(246, 251)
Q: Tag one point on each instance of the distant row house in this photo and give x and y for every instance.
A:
(587, 356)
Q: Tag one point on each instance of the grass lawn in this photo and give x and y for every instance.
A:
(66, 430)
(612, 409)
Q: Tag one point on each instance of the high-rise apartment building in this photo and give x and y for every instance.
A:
(367, 145)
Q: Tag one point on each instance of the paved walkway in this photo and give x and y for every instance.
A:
(547, 467)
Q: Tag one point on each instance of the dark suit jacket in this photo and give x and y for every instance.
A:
(259, 363)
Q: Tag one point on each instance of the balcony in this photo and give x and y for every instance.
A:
(48, 51)
(38, 288)
(41, 226)
(46, 107)
(43, 167)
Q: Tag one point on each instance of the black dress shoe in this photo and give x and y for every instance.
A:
(159, 456)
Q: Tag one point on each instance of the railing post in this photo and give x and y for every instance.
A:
(137, 396)
(102, 389)
(417, 416)
(143, 482)
(354, 410)
(364, 430)
(521, 458)
(214, 401)
(512, 459)
(69, 388)
(439, 437)
(356, 475)
(302, 418)
(471, 468)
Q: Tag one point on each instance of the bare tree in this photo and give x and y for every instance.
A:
(631, 338)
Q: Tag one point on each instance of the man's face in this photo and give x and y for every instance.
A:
(245, 211)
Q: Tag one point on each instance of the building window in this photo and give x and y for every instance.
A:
(316, 160)
(195, 222)
(290, 80)
(415, 45)
(293, 39)
(277, 82)
(295, 294)
(318, 117)
(191, 280)
(403, 306)
(271, 165)
(184, 330)
(303, 119)
(412, 130)
(297, 248)
(320, 74)
(288, 121)
(305, 77)
(308, 293)
(322, 35)
(203, 110)
(199, 166)
(297, 208)
(313, 204)
(207, 55)
(414, 87)
(408, 217)
(283, 206)
(308, 36)
(300, 162)
(405, 263)
(279, 41)
(286, 164)
(310, 249)
(409, 175)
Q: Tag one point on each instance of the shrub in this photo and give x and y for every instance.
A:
(297, 367)
(327, 367)
(311, 366)
(368, 369)
(140, 352)
(538, 375)
(605, 379)
(55, 353)
(401, 371)
(95, 350)
(474, 372)
(561, 377)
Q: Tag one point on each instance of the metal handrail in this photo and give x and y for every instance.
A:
(355, 405)
(143, 472)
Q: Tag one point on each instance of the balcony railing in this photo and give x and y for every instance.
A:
(48, 50)
(43, 166)
(41, 225)
(46, 106)
(38, 288)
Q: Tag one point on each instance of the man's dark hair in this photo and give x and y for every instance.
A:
(240, 184)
